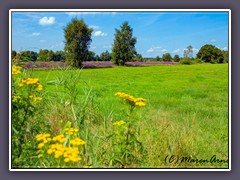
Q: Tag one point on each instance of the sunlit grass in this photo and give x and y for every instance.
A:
(186, 112)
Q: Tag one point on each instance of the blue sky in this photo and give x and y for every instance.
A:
(156, 32)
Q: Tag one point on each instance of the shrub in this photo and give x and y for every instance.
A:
(199, 61)
(186, 61)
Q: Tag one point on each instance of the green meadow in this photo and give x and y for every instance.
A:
(186, 112)
(185, 117)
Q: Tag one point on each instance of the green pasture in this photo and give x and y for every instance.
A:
(186, 113)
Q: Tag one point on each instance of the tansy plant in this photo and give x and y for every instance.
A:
(125, 143)
(26, 96)
(63, 150)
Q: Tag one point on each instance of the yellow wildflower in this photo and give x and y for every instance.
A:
(16, 69)
(40, 87)
(119, 123)
(40, 145)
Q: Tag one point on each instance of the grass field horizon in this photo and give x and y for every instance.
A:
(186, 112)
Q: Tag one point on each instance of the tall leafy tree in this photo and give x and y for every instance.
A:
(188, 53)
(157, 58)
(210, 53)
(138, 57)
(105, 56)
(51, 56)
(167, 57)
(176, 58)
(43, 55)
(123, 49)
(225, 55)
(91, 56)
(60, 56)
(77, 42)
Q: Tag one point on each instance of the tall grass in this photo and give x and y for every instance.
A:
(186, 113)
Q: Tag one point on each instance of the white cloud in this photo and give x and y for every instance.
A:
(176, 50)
(46, 21)
(150, 50)
(213, 40)
(43, 40)
(225, 48)
(35, 34)
(195, 50)
(164, 50)
(154, 48)
(99, 33)
(107, 46)
(94, 27)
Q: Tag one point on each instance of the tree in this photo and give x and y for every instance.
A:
(24, 56)
(210, 53)
(138, 57)
(123, 49)
(51, 56)
(167, 57)
(91, 56)
(43, 55)
(97, 58)
(14, 53)
(225, 56)
(176, 58)
(105, 56)
(60, 56)
(77, 41)
(188, 53)
(157, 58)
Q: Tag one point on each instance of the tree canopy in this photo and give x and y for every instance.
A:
(77, 42)
(124, 45)
(210, 53)
(167, 57)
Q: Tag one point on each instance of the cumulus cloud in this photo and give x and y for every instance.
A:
(154, 48)
(176, 50)
(35, 34)
(99, 33)
(164, 50)
(150, 50)
(46, 21)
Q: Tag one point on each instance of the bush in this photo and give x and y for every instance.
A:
(199, 61)
(186, 61)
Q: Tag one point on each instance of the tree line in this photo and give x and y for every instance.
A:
(78, 39)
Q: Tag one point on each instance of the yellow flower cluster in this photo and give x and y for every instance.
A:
(58, 145)
(44, 138)
(77, 142)
(35, 98)
(69, 153)
(31, 81)
(16, 69)
(132, 100)
(70, 130)
(60, 138)
(119, 123)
